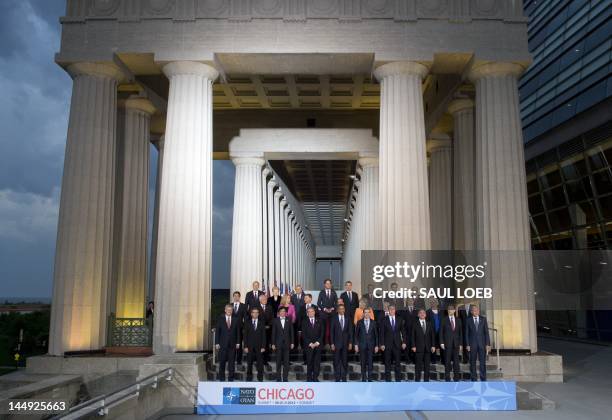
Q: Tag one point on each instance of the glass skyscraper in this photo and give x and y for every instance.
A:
(566, 108)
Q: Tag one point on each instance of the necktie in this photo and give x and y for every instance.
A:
(312, 321)
(453, 322)
(342, 322)
(423, 326)
(283, 323)
(476, 322)
(263, 307)
(328, 293)
(349, 296)
(235, 307)
(227, 320)
(367, 324)
(254, 324)
(393, 323)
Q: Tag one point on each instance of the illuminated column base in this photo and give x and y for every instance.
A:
(83, 252)
(502, 220)
(182, 289)
(132, 206)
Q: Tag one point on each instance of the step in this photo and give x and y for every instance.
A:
(529, 400)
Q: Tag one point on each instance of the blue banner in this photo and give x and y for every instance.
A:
(333, 397)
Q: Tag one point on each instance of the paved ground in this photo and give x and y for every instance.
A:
(585, 394)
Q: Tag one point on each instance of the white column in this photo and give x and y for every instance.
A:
(159, 144)
(272, 226)
(277, 236)
(368, 194)
(440, 193)
(131, 206)
(404, 197)
(83, 250)
(464, 227)
(247, 223)
(501, 202)
(264, 226)
(283, 209)
(182, 289)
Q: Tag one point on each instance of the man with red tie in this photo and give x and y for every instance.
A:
(451, 341)
(226, 339)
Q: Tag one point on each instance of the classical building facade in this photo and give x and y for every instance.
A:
(327, 108)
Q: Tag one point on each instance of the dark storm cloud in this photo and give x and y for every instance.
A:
(34, 117)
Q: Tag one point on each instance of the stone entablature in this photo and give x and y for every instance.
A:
(295, 10)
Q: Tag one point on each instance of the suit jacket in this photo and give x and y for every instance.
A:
(447, 336)
(310, 333)
(409, 318)
(305, 313)
(324, 302)
(433, 317)
(266, 316)
(227, 337)
(366, 339)
(423, 341)
(254, 339)
(251, 301)
(477, 338)
(241, 314)
(282, 337)
(341, 337)
(299, 305)
(352, 304)
(392, 337)
(275, 304)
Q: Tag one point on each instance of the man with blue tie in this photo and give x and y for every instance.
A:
(254, 344)
(341, 337)
(392, 342)
(366, 343)
(327, 305)
(478, 342)
(434, 316)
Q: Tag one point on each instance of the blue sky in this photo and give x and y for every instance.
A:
(34, 116)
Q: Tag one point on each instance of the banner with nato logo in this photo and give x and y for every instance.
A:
(321, 397)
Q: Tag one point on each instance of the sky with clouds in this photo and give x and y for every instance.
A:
(34, 117)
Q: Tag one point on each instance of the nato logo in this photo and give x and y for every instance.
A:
(238, 396)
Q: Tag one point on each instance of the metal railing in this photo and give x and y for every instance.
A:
(129, 332)
(496, 346)
(103, 403)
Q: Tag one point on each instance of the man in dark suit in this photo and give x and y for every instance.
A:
(410, 317)
(254, 344)
(312, 330)
(422, 343)
(226, 342)
(307, 304)
(327, 306)
(451, 342)
(266, 315)
(478, 342)
(239, 310)
(341, 337)
(434, 315)
(392, 342)
(251, 299)
(366, 343)
(282, 343)
(350, 299)
(297, 300)
(464, 313)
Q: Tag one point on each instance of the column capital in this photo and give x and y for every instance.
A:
(401, 67)
(190, 67)
(438, 143)
(243, 161)
(278, 193)
(368, 162)
(495, 68)
(137, 104)
(265, 172)
(458, 105)
(103, 70)
(283, 202)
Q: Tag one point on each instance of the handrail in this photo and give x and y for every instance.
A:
(103, 403)
(496, 346)
(214, 345)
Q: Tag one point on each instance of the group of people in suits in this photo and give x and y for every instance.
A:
(279, 324)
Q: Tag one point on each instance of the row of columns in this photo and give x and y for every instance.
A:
(269, 239)
(90, 219)
(474, 197)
